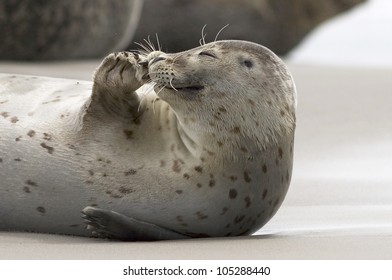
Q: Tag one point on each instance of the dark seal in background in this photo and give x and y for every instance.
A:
(277, 24)
(52, 29)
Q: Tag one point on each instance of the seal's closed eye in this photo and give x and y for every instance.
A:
(248, 63)
(210, 54)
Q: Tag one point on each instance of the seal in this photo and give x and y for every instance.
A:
(167, 146)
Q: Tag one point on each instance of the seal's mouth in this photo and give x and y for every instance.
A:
(189, 89)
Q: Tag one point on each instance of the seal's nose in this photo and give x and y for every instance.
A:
(156, 59)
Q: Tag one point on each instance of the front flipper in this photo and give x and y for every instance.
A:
(110, 224)
(115, 83)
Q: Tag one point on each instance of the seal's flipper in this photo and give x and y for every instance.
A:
(115, 82)
(111, 224)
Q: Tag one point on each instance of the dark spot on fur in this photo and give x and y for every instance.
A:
(128, 133)
(232, 194)
(247, 202)
(220, 144)
(14, 119)
(31, 183)
(280, 151)
(17, 159)
(233, 178)
(113, 195)
(2, 102)
(26, 189)
(17, 139)
(276, 202)
(91, 172)
(41, 209)
(238, 219)
(31, 133)
(162, 163)
(89, 182)
(264, 168)
(243, 149)
(1, 160)
(212, 183)
(228, 226)
(4, 114)
(176, 166)
(199, 185)
(247, 177)
(179, 191)
(130, 172)
(282, 113)
(236, 130)
(199, 169)
(179, 219)
(222, 109)
(125, 190)
(201, 216)
(137, 121)
(47, 136)
(186, 176)
(251, 102)
(264, 195)
(48, 148)
(224, 210)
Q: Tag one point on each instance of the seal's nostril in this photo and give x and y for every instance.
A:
(156, 59)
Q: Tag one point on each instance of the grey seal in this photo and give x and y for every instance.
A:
(203, 149)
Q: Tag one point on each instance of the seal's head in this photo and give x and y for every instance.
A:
(230, 89)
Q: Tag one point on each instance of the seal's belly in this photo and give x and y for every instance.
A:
(37, 174)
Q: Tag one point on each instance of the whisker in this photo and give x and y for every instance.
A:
(219, 32)
(146, 49)
(149, 43)
(163, 86)
(203, 36)
(153, 104)
(159, 45)
(170, 82)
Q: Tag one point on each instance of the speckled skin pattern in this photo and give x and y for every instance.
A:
(209, 155)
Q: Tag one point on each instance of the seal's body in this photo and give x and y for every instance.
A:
(209, 155)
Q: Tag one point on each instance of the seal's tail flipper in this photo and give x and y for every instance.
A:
(115, 82)
(110, 224)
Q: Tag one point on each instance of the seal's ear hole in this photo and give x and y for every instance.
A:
(248, 63)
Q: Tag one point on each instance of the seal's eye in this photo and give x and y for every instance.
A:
(205, 53)
(248, 63)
